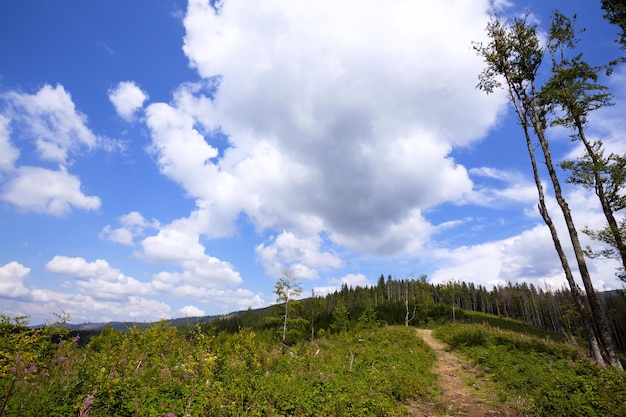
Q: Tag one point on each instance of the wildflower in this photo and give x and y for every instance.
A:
(84, 410)
(31, 368)
(170, 415)
(76, 338)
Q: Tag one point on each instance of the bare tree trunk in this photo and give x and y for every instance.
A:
(543, 210)
(285, 321)
(597, 314)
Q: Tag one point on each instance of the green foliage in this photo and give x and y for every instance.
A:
(341, 319)
(504, 323)
(615, 12)
(545, 378)
(368, 319)
(287, 287)
(163, 370)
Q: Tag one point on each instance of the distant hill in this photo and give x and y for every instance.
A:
(183, 321)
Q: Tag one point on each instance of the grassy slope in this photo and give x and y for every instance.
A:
(544, 377)
(170, 371)
(165, 370)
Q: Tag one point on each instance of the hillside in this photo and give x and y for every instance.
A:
(420, 303)
(402, 348)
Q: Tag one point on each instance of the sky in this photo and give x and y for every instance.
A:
(165, 159)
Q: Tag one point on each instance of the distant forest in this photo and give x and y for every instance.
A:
(414, 301)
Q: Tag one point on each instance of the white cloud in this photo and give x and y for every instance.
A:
(45, 191)
(133, 225)
(179, 243)
(98, 279)
(12, 277)
(49, 118)
(8, 152)
(127, 98)
(87, 306)
(530, 256)
(517, 188)
(499, 262)
(191, 311)
(351, 280)
(182, 152)
(302, 256)
(365, 58)
(343, 133)
(227, 300)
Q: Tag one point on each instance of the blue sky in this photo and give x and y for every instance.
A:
(159, 159)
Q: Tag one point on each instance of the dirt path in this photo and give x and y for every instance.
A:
(464, 393)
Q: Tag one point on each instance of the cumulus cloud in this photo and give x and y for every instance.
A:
(132, 226)
(50, 119)
(223, 299)
(496, 263)
(179, 243)
(46, 191)
(300, 255)
(12, 276)
(343, 133)
(93, 302)
(529, 256)
(127, 98)
(99, 292)
(98, 279)
(191, 311)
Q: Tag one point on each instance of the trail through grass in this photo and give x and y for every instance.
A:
(463, 393)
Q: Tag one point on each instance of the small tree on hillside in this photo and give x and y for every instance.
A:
(341, 319)
(287, 288)
(368, 319)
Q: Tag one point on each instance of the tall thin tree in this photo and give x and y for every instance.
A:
(286, 289)
(514, 54)
(573, 89)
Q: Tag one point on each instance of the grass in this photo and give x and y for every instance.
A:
(505, 323)
(544, 377)
(168, 371)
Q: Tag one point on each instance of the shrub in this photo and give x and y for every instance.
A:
(547, 378)
(164, 371)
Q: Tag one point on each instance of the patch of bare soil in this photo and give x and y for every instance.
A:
(463, 391)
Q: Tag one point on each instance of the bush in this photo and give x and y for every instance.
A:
(547, 378)
(164, 370)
